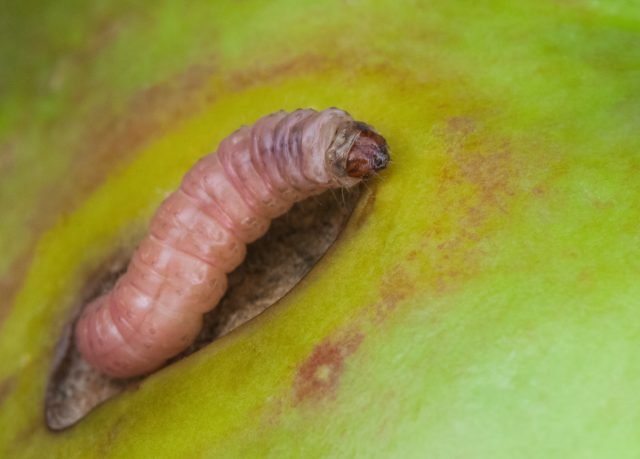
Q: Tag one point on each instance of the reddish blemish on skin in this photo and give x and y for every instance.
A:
(602, 204)
(397, 285)
(461, 124)
(412, 255)
(319, 375)
(474, 191)
(539, 190)
(586, 278)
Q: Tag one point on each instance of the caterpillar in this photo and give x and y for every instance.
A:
(200, 232)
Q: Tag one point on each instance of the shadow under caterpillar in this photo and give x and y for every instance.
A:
(199, 233)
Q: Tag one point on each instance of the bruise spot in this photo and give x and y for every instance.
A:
(319, 375)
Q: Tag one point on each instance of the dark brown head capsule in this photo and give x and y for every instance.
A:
(369, 153)
(357, 152)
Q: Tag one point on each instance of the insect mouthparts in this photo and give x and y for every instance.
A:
(380, 158)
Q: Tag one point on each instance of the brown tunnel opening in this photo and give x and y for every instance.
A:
(273, 266)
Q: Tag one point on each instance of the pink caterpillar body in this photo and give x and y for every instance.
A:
(200, 232)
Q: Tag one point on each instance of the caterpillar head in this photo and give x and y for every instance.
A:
(357, 152)
(369, 153)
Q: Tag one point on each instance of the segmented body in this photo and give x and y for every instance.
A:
(200, 232)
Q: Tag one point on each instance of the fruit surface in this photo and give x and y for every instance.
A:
(482, 301)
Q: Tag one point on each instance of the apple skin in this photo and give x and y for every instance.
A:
(483, 300)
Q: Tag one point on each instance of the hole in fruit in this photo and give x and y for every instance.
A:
(274, 264)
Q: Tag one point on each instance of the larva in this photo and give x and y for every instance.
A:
(199, 233)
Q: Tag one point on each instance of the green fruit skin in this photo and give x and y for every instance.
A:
(482, 302)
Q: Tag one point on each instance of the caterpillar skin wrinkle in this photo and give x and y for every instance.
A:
(199, 233)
